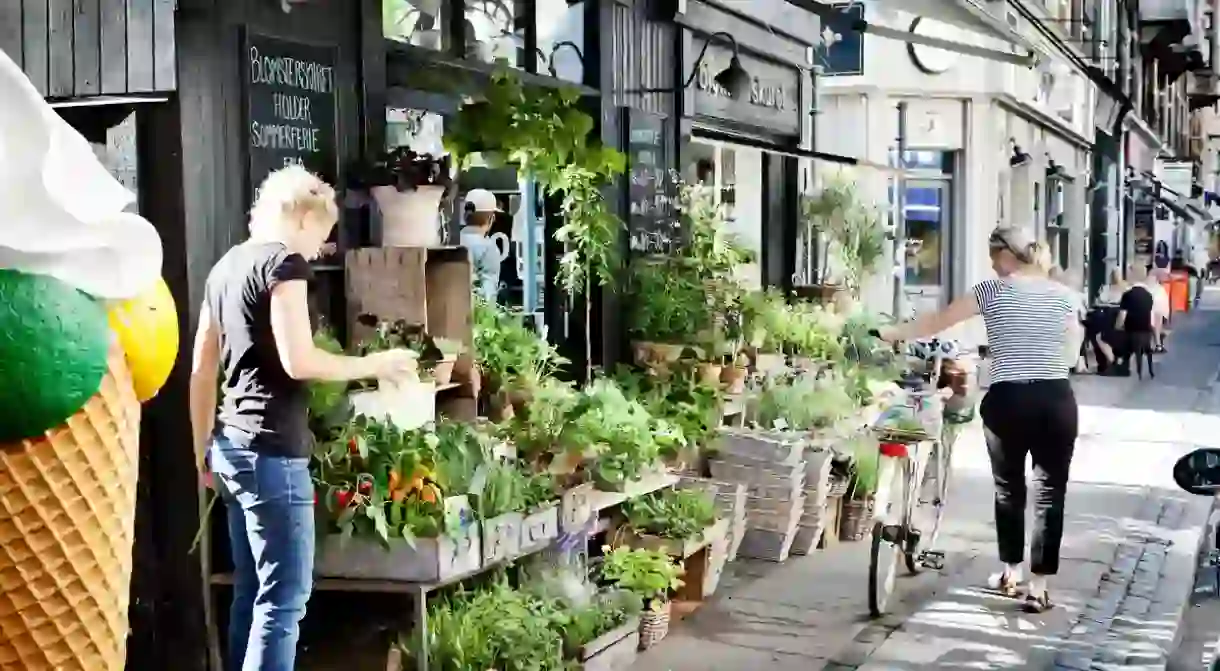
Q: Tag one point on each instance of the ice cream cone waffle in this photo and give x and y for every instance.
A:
(67, 518)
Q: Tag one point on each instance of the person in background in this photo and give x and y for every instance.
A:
(254, 326)
(1074, 350)
(1155, 285)
(1099, 324)
(1199, 262)
(1114, 289)
(481, 209)
(1029, 409)
(1136, 315)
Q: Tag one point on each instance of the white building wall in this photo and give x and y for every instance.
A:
(975, 108)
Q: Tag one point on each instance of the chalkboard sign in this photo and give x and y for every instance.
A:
(652, 218)
(291, 104)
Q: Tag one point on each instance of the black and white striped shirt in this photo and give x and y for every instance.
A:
(1026, 320)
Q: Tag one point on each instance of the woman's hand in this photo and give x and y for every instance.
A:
(393, 364)
(890, 334)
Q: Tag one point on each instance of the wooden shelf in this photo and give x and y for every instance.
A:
(602, 500)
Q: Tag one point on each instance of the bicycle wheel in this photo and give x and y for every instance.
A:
(930, 499)
(885, 554)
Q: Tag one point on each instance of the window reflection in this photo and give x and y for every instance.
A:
(418, 22)
(561, 38)
(927, 220)
(495, 30)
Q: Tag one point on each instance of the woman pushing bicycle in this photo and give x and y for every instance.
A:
(1029, 407)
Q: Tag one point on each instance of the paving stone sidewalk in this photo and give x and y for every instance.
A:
(1129, 556)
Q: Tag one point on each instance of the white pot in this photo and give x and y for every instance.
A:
(407, 405)
(409, 218)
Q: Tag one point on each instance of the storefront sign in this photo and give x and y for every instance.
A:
(772, 104)
(651, 217)
(291, 103)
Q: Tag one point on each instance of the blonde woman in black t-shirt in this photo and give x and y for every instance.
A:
(254, 326)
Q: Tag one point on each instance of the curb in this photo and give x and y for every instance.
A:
(1135, 618)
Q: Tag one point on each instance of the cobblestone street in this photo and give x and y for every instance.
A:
(1130, 551)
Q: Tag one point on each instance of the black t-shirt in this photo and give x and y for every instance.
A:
(261, 408)
(1137, 302)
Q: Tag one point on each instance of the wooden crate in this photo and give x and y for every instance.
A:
(429, 286)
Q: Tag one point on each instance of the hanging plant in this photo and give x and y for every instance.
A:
(548, 137)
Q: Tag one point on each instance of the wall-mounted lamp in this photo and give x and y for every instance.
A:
(1019, 158)
(550, 60)
(734, 79)
(287, 5)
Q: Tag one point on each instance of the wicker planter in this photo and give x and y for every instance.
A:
(856, 520)
(820, 293)
(654, 625)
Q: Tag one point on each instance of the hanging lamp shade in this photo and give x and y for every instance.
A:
(735, 79)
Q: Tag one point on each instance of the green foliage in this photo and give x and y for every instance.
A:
(689, 296)
(539, 430)
(679, 397)
(678, 514)
(620, 434)
(330, 409)
(857, 233)
(802, 403)
(649, 574)
(546, 134)
(508, 350)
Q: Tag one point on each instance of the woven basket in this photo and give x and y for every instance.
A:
(654, 626)
(67, 518)
(855, 521)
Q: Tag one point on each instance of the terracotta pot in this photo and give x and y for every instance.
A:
(409, 218)
(710, 374)
(734, 379)
(819, 293)
(442, 372)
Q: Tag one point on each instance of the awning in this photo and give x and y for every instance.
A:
(796, 152)
(963, 13)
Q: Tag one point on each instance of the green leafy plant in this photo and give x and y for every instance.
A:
(680, 397)
(649, 574)
(619, 434)
(538, 431)
(856, 232)
(802, 403)
(510, 352)
(681, 514)
(549, 137)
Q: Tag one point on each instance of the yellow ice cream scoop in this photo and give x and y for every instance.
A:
(147, 326)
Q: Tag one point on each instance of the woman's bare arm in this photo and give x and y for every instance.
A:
(302, 360)
(928, 325)
(205, 371)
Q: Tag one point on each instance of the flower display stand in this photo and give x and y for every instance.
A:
(772, 468)
(431, 560)
(426, 286)
(812, 523)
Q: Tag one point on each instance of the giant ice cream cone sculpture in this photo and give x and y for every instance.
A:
(87, 331)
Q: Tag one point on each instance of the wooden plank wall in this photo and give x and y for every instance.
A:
(79, 48)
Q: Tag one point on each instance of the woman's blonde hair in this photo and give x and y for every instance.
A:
(291, 191)
(1024, 247)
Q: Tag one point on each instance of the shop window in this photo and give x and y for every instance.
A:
(561, 39)
(735, 175)
(929, 225)
(495, 30)
(422, 23)
(1058, 235)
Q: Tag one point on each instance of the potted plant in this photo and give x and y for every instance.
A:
(408, 188)
(392, 508)
(450, 350)
(677, 522)
(766, 324)
(618, 435)
(855, 520)
(514, 358)
(734, 374)
(652, 576)
(499, 501)
(600, 628)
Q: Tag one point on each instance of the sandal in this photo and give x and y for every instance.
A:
(1004, 584)
(1037, 604)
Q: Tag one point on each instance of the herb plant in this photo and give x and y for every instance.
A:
(649, 574)
(678, 514)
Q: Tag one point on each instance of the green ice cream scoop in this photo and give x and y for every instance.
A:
(54, 341)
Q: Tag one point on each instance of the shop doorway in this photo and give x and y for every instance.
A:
(930, 226)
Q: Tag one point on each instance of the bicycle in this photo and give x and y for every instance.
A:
(909, 506)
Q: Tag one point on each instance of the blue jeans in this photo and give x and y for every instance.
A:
(269, 502)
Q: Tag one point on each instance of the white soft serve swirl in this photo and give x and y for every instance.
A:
(61, 212)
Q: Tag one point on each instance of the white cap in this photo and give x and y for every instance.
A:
(482, 200)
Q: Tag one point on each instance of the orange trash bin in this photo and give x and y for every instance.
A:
(1179, 291)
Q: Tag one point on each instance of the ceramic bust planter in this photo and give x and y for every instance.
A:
(409, 218)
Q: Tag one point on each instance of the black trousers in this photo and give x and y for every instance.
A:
(1037, 418)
